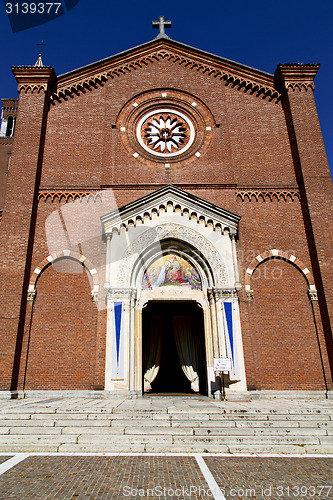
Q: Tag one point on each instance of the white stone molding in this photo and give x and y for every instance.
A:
(238, 285)
(115, 294)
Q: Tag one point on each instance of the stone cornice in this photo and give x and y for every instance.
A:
(172, 199)
(235, 74)
(32, 78)
(295, 76)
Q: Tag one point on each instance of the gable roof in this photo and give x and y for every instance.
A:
(97, 73)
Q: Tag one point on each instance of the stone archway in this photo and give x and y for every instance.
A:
(170, 221)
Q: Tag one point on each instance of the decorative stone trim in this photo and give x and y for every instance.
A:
(313, 295)
(181, 233)
(31, 295)
(170, 199)
(277, 254)
(233, 74)
(171, 206)
(268, 195)
(60, 255)
(119, 293)
(224, 293)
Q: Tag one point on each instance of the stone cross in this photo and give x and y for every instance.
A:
(161, 24)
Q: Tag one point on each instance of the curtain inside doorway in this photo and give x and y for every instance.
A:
(153, 351)
(186, 338)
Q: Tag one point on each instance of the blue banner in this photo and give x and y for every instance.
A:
(228, 315)
(117, 319)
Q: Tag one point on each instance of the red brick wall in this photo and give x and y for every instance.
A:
(250, 147)
(17, 230)
(5, 150)
(62, 348)
(281, 347)
(312, 172)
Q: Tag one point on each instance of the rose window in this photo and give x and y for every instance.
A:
(165, 132)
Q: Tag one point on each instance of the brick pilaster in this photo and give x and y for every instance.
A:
(314, 179)
(19, 214)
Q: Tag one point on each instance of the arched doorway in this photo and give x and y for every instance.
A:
(173, 348)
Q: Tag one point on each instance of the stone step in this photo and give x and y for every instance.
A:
(183, 429)
(213, 433)
(215, 448)
(125, 439)
(171, 415)
(103, 448)
(312, 424)
(38, 431)
(278, 431)
(97, 431)
(37, 438)
(147, 448)
(250, 440)
(28, 448)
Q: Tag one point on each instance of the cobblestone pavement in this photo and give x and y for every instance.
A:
(168, 477)
(274, 477)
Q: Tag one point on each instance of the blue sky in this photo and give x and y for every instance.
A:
(260, 33)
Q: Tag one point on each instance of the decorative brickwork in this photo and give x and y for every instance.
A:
(279, 254)
(67, 195)
(219, 69)
(60, 255)
(267, 195)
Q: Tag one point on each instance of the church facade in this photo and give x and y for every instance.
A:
(162, 208)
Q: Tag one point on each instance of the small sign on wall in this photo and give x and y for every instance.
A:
(222, 365)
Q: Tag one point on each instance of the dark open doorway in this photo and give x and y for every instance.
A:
(165, 344)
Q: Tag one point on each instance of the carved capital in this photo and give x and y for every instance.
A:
(313, 295)
(224, 293)
(31, 296)
(249, 295)
(119, 293)
(94, 296)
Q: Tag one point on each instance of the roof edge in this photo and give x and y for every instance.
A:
(133, 58)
